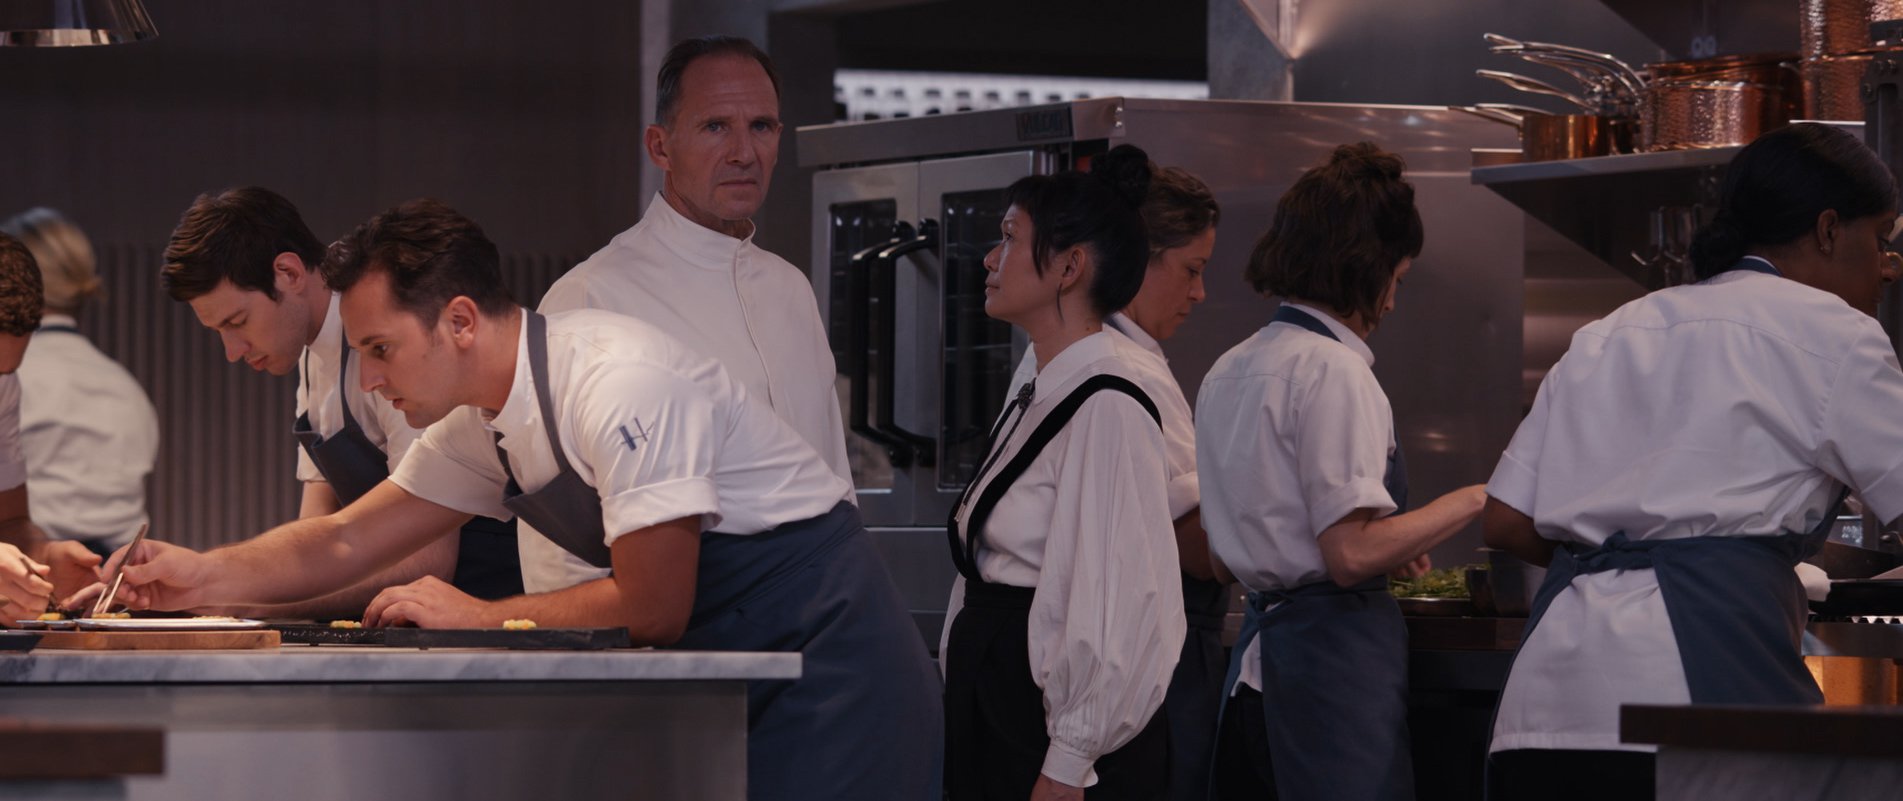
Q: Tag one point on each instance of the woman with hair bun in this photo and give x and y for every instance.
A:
(1067, 616)
(1682, 457)
(1304, 492)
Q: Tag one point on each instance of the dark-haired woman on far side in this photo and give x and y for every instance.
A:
(1067, 615)
(1304, 492)
(1682, 457)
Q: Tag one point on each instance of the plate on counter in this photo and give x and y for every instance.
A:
(168, 624)
(37, 624)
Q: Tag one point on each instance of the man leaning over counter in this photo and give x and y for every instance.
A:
(724, 530)
(246, 263)
(24, 585)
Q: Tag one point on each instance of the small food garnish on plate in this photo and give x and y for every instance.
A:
(115, 615)
(518, 625)
(52, 616)
(346, 624)
(208, 617)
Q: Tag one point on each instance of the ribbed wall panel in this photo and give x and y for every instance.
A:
(227, 463)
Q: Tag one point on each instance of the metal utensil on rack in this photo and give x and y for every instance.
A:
(1627, 76)
(118, 576)
(1538, 87)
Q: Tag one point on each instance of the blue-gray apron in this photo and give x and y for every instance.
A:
(864, 720)
(1334, 673)
(1736, 606)
(996, 735)
(487, 566)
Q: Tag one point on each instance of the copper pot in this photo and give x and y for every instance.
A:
(1833, 86)
(1552, 137)
(1840, 27)
(1717, 102)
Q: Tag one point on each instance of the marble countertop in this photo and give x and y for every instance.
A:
(339, 664)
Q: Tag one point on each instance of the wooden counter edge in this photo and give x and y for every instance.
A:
(1862, 731)
(39, 751)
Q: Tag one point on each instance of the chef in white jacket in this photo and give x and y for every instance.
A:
(1067, 614)
(691, 267)
(1685, 453)
(24, 580)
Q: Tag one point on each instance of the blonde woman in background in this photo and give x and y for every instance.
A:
(87, 430)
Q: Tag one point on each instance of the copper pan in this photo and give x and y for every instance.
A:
(1717, 102)
(1841, 27)
(1552, 137)
(1833, 86)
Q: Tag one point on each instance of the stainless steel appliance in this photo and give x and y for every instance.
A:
(906, 210)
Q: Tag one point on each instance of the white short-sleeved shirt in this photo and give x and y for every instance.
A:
(1728, 408)
(1089, 525)
(1293, 433)
(89, 437)
(317, 392)
(12, 461)
(659, 430)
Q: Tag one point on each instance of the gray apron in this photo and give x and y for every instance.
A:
(1334, 673)
(487, 565)
(864, 720)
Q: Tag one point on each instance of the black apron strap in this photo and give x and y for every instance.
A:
(966, 556)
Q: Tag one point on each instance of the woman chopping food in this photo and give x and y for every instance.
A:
(1302, 490)
(1682, 457)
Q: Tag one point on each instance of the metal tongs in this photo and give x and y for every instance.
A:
(118, 576)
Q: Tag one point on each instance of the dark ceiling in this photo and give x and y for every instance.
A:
(1159, 39)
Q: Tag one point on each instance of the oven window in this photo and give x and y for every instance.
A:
(977, 355)
(855, 227)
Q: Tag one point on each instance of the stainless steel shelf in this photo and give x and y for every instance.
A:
(1602, 166)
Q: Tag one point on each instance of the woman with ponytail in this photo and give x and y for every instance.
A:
(1304, 497)
(1066, 619)
(1684, 455)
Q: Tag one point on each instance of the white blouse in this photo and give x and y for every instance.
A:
(1728, 408)
(89, 437)
(1089, 526)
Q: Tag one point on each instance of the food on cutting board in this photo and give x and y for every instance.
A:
(109, 616)
(51, 616)
(518, 625)
(346, 624)
(1442, 582)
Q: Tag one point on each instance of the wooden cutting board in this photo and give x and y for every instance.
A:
(158, 640)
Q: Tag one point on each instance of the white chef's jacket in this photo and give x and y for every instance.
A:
(1089, 525)
(1728, 408)
(383, 424)
(89, 437)
(12, 461)
(749, 309)
(659, 430)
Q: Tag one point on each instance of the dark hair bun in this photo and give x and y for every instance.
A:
(1366, 161)
(1127, 169)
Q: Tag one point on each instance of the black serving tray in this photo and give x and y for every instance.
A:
(1861, 597)
(519, 640)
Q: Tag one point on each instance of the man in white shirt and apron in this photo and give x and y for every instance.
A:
(690, 266)
(724, 530)
(246, 263)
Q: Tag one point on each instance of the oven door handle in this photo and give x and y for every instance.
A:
(885, 327)
(867, 266)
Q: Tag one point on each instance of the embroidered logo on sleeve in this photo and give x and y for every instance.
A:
(636, 438)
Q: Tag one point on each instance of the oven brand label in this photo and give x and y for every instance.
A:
(1051, 123)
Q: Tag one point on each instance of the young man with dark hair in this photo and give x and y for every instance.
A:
(721, 527)
(31, 569)
(246, 263)
(690, 266)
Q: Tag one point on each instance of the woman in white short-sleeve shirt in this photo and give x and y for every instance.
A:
(1684, 454)
(1067, 612)
(1302, 482)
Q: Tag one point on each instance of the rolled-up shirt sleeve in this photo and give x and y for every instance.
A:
(651, 438)
(454, 464)
(1107, 618)
(1342, 443)
(1516, 478)
(1861, 441)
